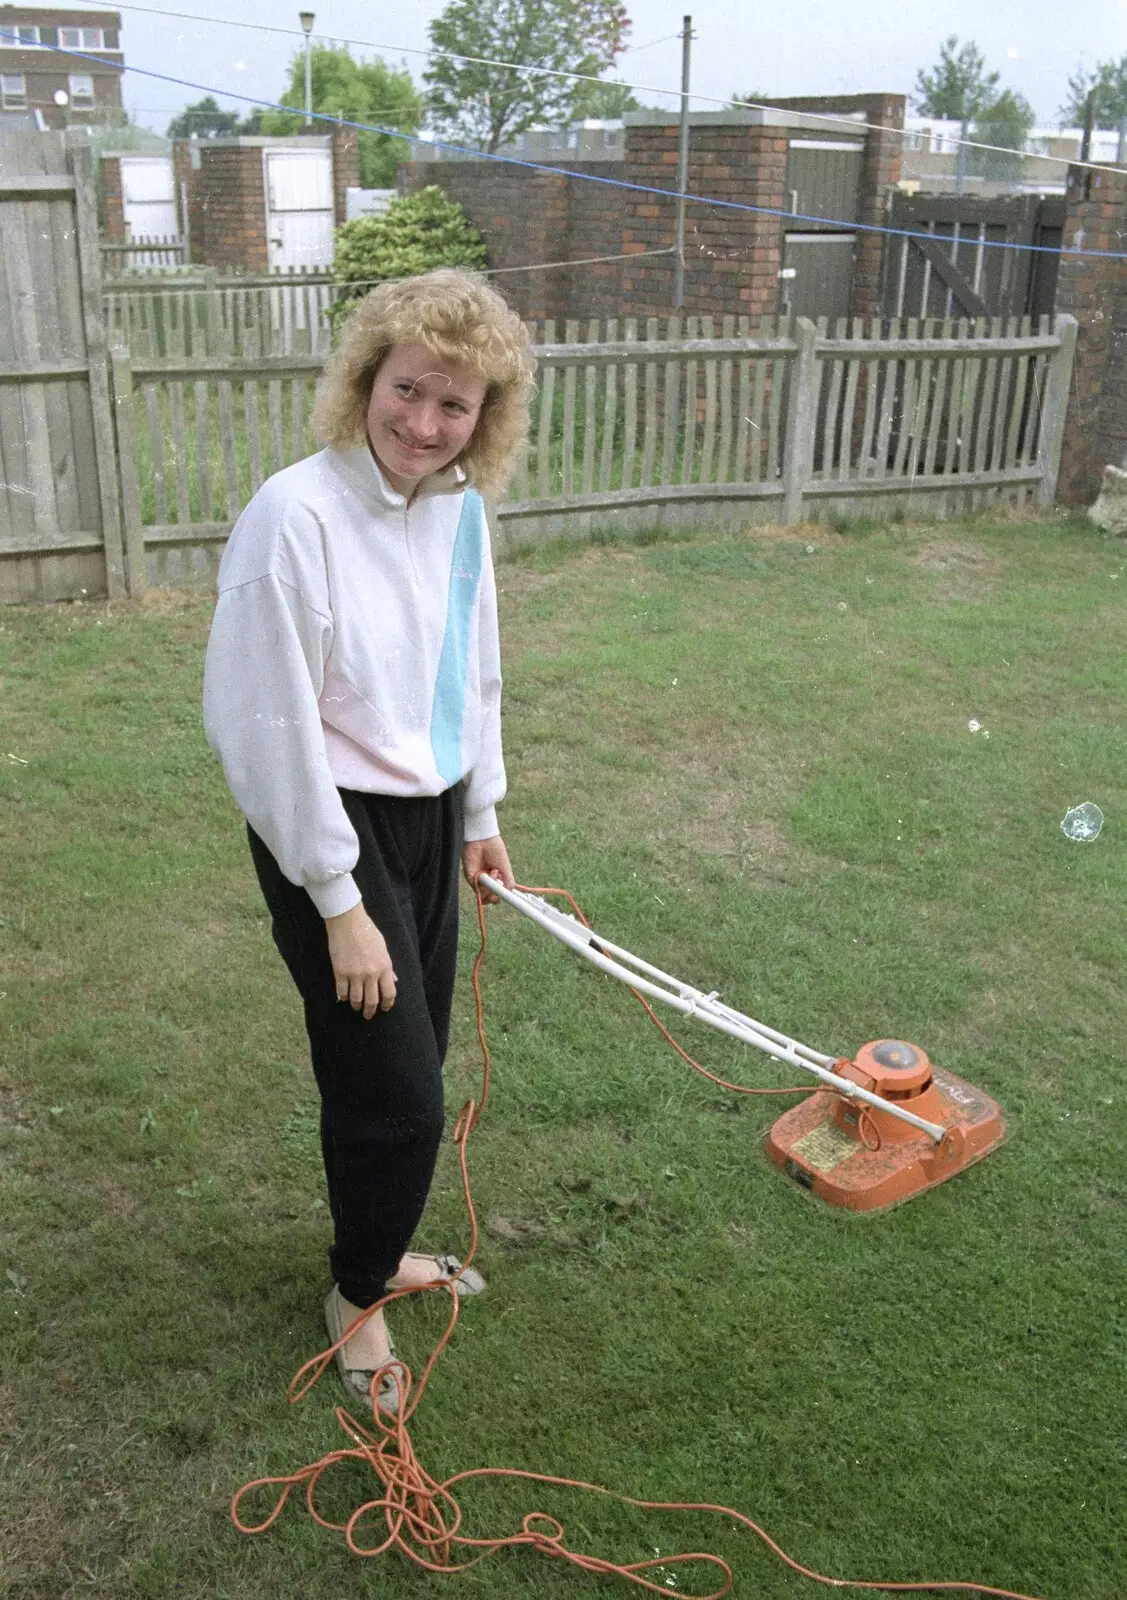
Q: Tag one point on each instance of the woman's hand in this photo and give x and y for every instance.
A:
(361, 964)
(487, 855)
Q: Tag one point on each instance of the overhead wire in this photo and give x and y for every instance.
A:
(847, 224)
(835, 118)
(538, 266)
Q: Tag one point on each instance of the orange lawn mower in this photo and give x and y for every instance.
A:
(885, 1124)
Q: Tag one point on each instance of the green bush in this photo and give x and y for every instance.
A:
(417, 232)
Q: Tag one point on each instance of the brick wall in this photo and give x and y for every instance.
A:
(113, 204)
(732, 256)
(528, 218)
(594, 221)
(1094, 290)
(233, 207)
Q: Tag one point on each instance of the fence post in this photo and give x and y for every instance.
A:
(799, 438)
(213, 312)
(94, 333)
(136, 578)
(1050, 436)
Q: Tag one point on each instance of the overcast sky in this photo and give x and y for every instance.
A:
(801, 47)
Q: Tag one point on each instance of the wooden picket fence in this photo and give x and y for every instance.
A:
(143, 253)
(699, 422)
(197, 313)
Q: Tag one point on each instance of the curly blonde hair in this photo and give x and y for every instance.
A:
(460, 320)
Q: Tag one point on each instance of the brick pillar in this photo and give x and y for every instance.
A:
(1094, 289)
(346, 169)
(880, 173)
(732, 257)
(233, 198)
(113, 207)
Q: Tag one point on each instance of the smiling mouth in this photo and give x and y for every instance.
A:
(407, 445)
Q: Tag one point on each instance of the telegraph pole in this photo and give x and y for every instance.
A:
(682, 169)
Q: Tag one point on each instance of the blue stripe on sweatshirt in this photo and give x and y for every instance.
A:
(449, 709)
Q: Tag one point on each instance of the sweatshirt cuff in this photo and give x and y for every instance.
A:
(480, 824)
(335, 896)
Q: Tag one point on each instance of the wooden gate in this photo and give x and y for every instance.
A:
(60, 528)
(955, 263)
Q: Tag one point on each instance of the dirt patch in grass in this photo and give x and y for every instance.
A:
(696, 797)
(969, 571)
(12, 1113)
(170, 602)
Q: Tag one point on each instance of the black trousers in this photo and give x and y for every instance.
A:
(380, 1081)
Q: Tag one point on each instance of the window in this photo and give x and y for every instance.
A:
(81, 88)
(82, 39)
(24, 36)
(13, 91)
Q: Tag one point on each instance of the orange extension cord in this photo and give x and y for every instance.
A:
(420, 1517)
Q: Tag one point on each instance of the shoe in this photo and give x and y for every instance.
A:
(358, 1380)
(445, 1268)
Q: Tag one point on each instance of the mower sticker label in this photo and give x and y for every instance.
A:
(825, 1148)
(956, 1091)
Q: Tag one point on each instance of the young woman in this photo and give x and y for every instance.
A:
(352, 691)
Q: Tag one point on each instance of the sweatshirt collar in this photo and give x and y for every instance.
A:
(363, 468)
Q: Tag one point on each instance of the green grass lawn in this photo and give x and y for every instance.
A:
(750, 761)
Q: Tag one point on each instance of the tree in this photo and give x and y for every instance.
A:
(1006, 121)
(1107, 85)
(959, 88)
(358, 91)
(487, 105)
(203, 120)
(603, 100)
(416, 232)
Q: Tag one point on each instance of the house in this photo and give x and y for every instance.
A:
(37, 74)
(931, 165)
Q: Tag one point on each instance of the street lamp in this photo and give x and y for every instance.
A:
(306, 20)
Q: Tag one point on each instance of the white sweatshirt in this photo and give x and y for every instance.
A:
(354, 646)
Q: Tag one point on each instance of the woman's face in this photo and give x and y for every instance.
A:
(421, 415)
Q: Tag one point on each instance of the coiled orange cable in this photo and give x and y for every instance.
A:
(420, 1516)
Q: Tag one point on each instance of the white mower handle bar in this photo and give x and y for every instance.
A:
(629, 969)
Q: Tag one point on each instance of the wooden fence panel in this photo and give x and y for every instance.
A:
(610, 414)
(544, 436)
(630, 389)
(210, 316)
(649, 435)
(689, 442)
(747, 427)
(671, 400)
(60, 528)
(198, 438)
